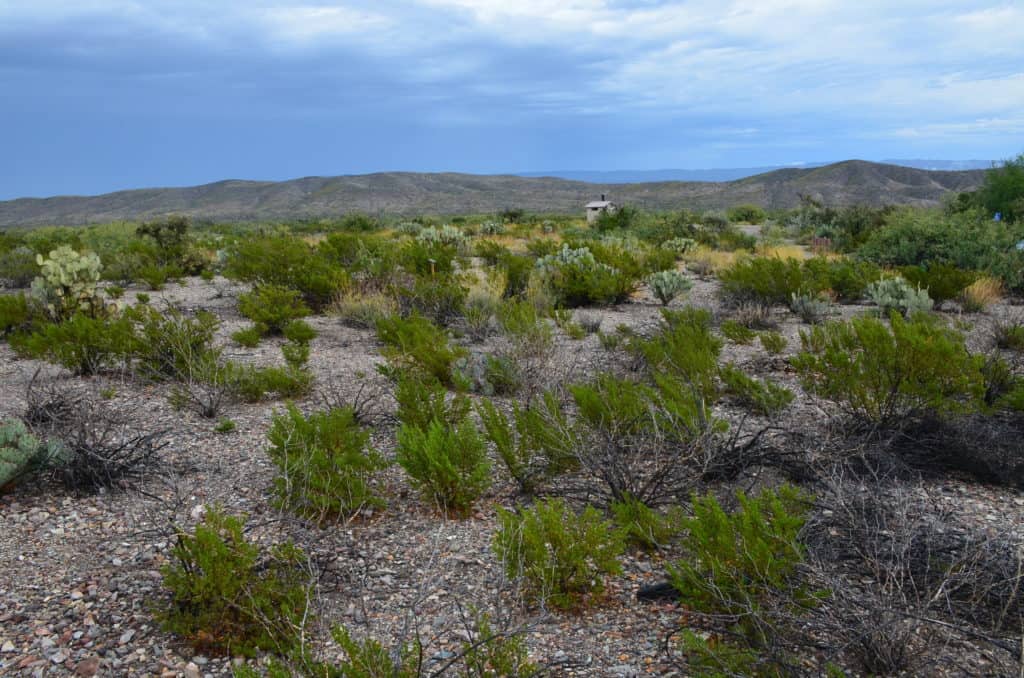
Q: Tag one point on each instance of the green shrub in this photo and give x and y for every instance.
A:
(563, 556)
(942, 281)
(14, 313)
(295, 354)
(517, 270)
(440, 298)
(738, 563)
(746, 214)
(768, 280)
(763, 397)
(1009, 335)
(736, 332)
(489, 653)
(21, 453)
(142, 298)
(426, 258)
(18, 267)
(253, 384)
(83, 344)
(576, 279)
(326, 466)
(522, 443)
(225, 425)
(489, 375)
(228, 595)
(895, 294)
(286, 262)
(1003, 190)
(773, 342)
(114, 291)
(299, 332)
(156, 275)
(169, 344)
(645, 527)
(415, 343)
(849, 278)
(446, 461)
(249, 337)
(667, 285)
(885, 375)
(272, 307)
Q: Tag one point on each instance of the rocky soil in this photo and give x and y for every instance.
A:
(79, 575)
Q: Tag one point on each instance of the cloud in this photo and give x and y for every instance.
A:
(604, 81)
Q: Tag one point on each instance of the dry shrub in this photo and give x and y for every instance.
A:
(705, 262)
(363, 309)
(981, 294)
(797, 252)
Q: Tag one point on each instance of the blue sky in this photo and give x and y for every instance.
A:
(100, 95)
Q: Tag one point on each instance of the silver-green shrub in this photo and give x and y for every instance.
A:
(896, 294)
(21, 452)
(446, 235)
(811, 308)
(679, 245)
(667, 285)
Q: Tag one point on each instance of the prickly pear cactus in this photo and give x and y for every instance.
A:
(67, 283)
(667, 285)
(897, 294)
(21, 452)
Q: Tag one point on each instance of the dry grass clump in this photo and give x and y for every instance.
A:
(705, 261)
(363, 309)
(798, 252)
(981, 294)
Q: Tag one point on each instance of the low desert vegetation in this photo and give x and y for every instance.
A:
(755, 430)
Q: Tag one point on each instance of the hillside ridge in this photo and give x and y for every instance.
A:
(411, 193)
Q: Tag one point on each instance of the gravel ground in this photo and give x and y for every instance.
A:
(79, 575)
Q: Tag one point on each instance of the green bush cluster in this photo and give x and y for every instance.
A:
(774, 280)
(418, 345)
(943, 282)
(576, 278)
(762, 396)
(887, 374)
(271, 307)
(562, 555)
(738, 564)
(440, 447)
(326, 468)
(288, 262)
(229, 595)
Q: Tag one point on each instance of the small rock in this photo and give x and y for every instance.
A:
(8, 647)
(58, 658)
(624, 670)
(192, 671)
(88, 667)
(127, 636)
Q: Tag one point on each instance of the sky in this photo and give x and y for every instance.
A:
(102, 95)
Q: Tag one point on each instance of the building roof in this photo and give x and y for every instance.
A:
(598, 204)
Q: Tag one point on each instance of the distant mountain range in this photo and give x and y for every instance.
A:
(733, 173)
(408, 194)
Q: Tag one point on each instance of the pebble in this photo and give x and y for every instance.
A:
(7, 647)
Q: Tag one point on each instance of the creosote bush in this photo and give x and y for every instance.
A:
(886, 376)
(231, 596)
(760, 395)
(562, 556)
(741, 569)
(272, 307)
(440, 447)
(326, 467)
(414, 343)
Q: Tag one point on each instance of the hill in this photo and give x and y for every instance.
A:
(407, 193)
